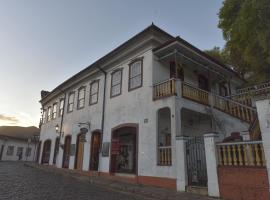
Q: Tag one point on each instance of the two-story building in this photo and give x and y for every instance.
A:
(128, 113)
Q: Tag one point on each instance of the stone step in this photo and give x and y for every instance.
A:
(197, 190)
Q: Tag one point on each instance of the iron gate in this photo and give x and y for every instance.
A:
(196, 162)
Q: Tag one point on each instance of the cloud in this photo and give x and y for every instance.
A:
(8, 118)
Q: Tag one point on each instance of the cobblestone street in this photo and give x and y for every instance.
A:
(21, 182)
(30, 181)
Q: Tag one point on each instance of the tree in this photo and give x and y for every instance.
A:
(246, 29)
(219, 54)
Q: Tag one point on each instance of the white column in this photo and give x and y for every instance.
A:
(181, 171)
(263, 111)
(211, 164)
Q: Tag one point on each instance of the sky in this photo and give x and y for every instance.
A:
(43, 43)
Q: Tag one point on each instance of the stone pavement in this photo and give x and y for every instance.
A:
(27, 181)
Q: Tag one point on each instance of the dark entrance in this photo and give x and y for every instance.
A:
(196, 162)
(46, 152)
(56, 149)
(124, 150)
(94, 154)
(38, 151)
(66, 154)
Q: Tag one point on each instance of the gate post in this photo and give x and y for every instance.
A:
(263, 111)
(181, 171)
(211, 164)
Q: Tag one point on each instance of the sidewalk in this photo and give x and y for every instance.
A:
(120, 186)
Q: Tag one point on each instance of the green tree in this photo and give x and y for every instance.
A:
(246, 29)
(219, 54)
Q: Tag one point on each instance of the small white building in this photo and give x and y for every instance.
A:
(17, 149)
(141, 111)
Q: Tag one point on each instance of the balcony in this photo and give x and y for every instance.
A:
(172, 87)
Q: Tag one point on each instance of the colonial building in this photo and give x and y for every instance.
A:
(141, 111)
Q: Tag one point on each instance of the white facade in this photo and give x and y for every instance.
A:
(11, 148)
(137, 108)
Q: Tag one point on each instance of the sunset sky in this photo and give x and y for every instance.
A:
(42, 43)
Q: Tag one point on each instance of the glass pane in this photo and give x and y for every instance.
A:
(116, 78)
(135, 82)
(93, 98)
(81, 94)
(116, 90)
(135, 69)
(94, 88)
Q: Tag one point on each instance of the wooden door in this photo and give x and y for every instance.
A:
(66, 154)
(79, 152)
(95, 148)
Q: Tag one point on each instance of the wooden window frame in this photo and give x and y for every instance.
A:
(141, 74)
(78, 97)
(49, 114)
(69, 111)
(59, 110)
(115, 71)
(8, 153)
(92, 94)
(54, 114)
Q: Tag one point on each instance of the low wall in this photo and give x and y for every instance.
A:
(243, 183)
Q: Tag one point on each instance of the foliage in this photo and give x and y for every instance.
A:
(246, 29)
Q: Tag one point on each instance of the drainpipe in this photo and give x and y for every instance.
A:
(103, 108)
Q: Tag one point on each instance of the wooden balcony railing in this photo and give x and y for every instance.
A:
(195, 94)
(241, 154)
(164, 89)
(234, 108)
(164, 155)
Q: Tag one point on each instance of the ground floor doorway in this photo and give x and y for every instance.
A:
(46, 152)
(124, 150)
(66, 154)
(94, 152)
(79, 151)
(196, 162)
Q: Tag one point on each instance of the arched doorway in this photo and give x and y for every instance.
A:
(79, 151)
(38, 151)
(124, 156)
(46, 152)
(95, 148)
(56, 150)
(66, 153)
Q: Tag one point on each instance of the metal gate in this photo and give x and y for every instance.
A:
(196, 162)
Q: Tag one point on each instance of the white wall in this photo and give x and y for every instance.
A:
(16, 144)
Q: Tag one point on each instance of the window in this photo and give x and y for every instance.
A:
(81, 98)
(44, 116)
(116, 83)
(94, 92)
(135, 75)
(54, 111)
(203, 83)
(49, 114)
(28, 152)
(61, 107)
(19, 151)
(176, 72)
(70, 102)
(10, 150)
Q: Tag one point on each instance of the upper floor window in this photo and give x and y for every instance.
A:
(70, 102)
(10, 150)
(81, 97)
(44, 116)
(54, 110)
(94, 87)
(135, 75)
(49, 114)
(61, 107)
(116, 83)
